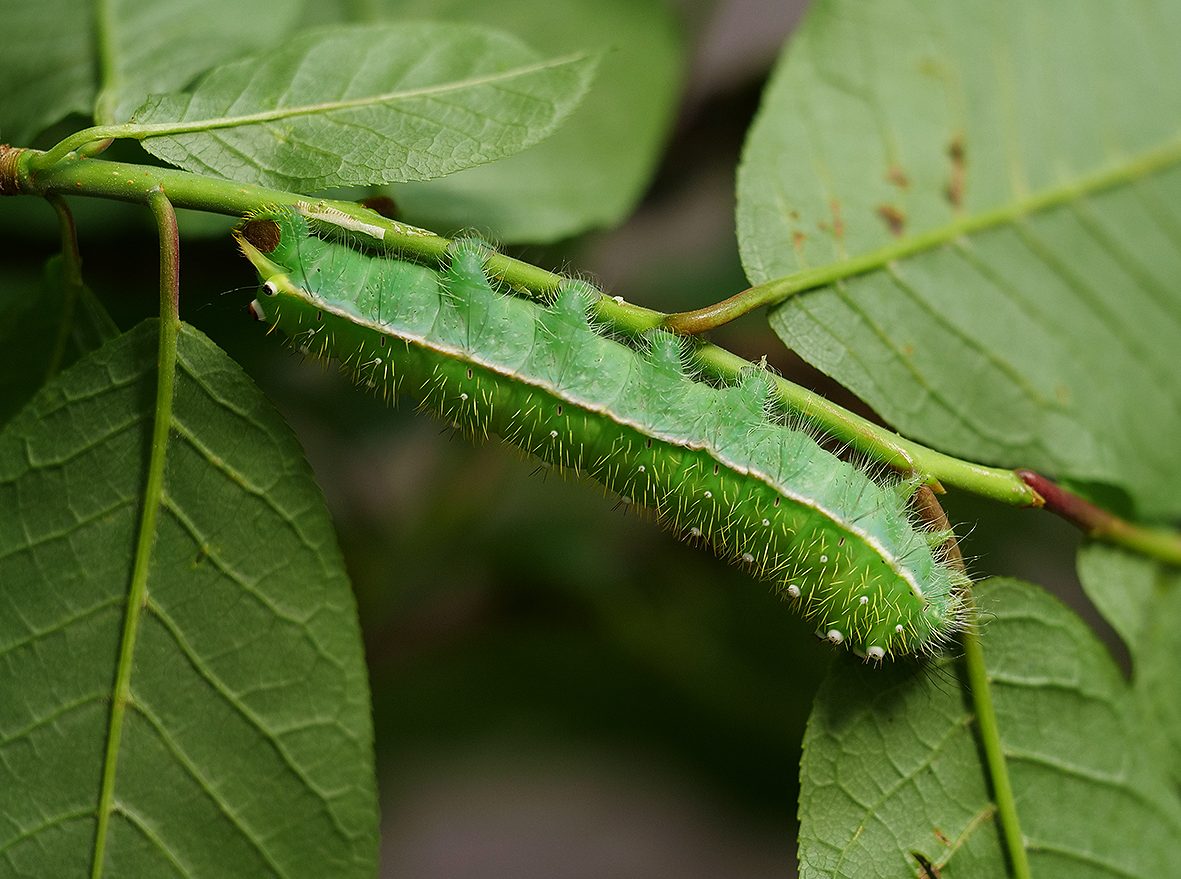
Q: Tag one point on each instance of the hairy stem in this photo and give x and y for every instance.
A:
(929, 509)
(30, 172)
(137, 594)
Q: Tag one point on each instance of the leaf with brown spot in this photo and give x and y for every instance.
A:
(1042, 241)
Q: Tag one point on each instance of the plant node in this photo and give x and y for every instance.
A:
(9, 156)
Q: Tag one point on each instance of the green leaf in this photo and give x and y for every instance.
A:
(985, 194)
(47, 66)
(246, 742)
(45, 326)
(61, 55)
(892, 770)
(1142, 601)
(366, 104)
(591, 173)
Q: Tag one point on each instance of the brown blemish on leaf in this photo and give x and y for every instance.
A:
(908, 351)
(838, 224)
(263, 234)
(940, 835)
(797, 240)
(898, 177)
(893, 218)
(955, 182)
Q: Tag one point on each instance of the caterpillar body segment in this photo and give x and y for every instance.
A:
(714, 463)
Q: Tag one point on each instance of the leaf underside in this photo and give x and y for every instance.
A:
(1046, 334)
(592, 171)
(892, 770)
(367, 104)
(1142, 600)
(246, 744)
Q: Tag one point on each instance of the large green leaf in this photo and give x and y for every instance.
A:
(246, 742)
(367, 104)
(999, 181)
(60, 55)
(892, 775)
(592, 171)
(44, 327)
(1141, 598)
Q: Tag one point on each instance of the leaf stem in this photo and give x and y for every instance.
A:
(71, 280)
(1100, 524)
(137, 595)
(929, 509)
(980, 687)
(26, 171)
(108, 70)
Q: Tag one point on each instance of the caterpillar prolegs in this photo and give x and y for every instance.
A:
(713, 463)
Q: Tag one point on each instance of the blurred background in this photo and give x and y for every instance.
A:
(560, 689)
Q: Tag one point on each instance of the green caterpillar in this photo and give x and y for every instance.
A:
(714, 463)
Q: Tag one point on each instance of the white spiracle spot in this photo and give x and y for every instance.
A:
(766, 522)
(900, 628)
(709, 494)
(824, 560)
(553, 434)
(793, 590)
(694, 531)
(864, 600)
(748, 558)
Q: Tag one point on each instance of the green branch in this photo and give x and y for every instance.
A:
(26, 171)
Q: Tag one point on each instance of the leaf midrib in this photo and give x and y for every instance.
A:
(141, 131)
(153, 492)
(1136, 167)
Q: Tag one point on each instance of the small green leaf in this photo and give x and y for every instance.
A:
(892, 773)
(985, 194)
(45, 327)
(61, 56)
(366, 104)
(1141, 599)
(246, 741)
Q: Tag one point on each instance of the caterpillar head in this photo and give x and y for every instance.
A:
(256, 238)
